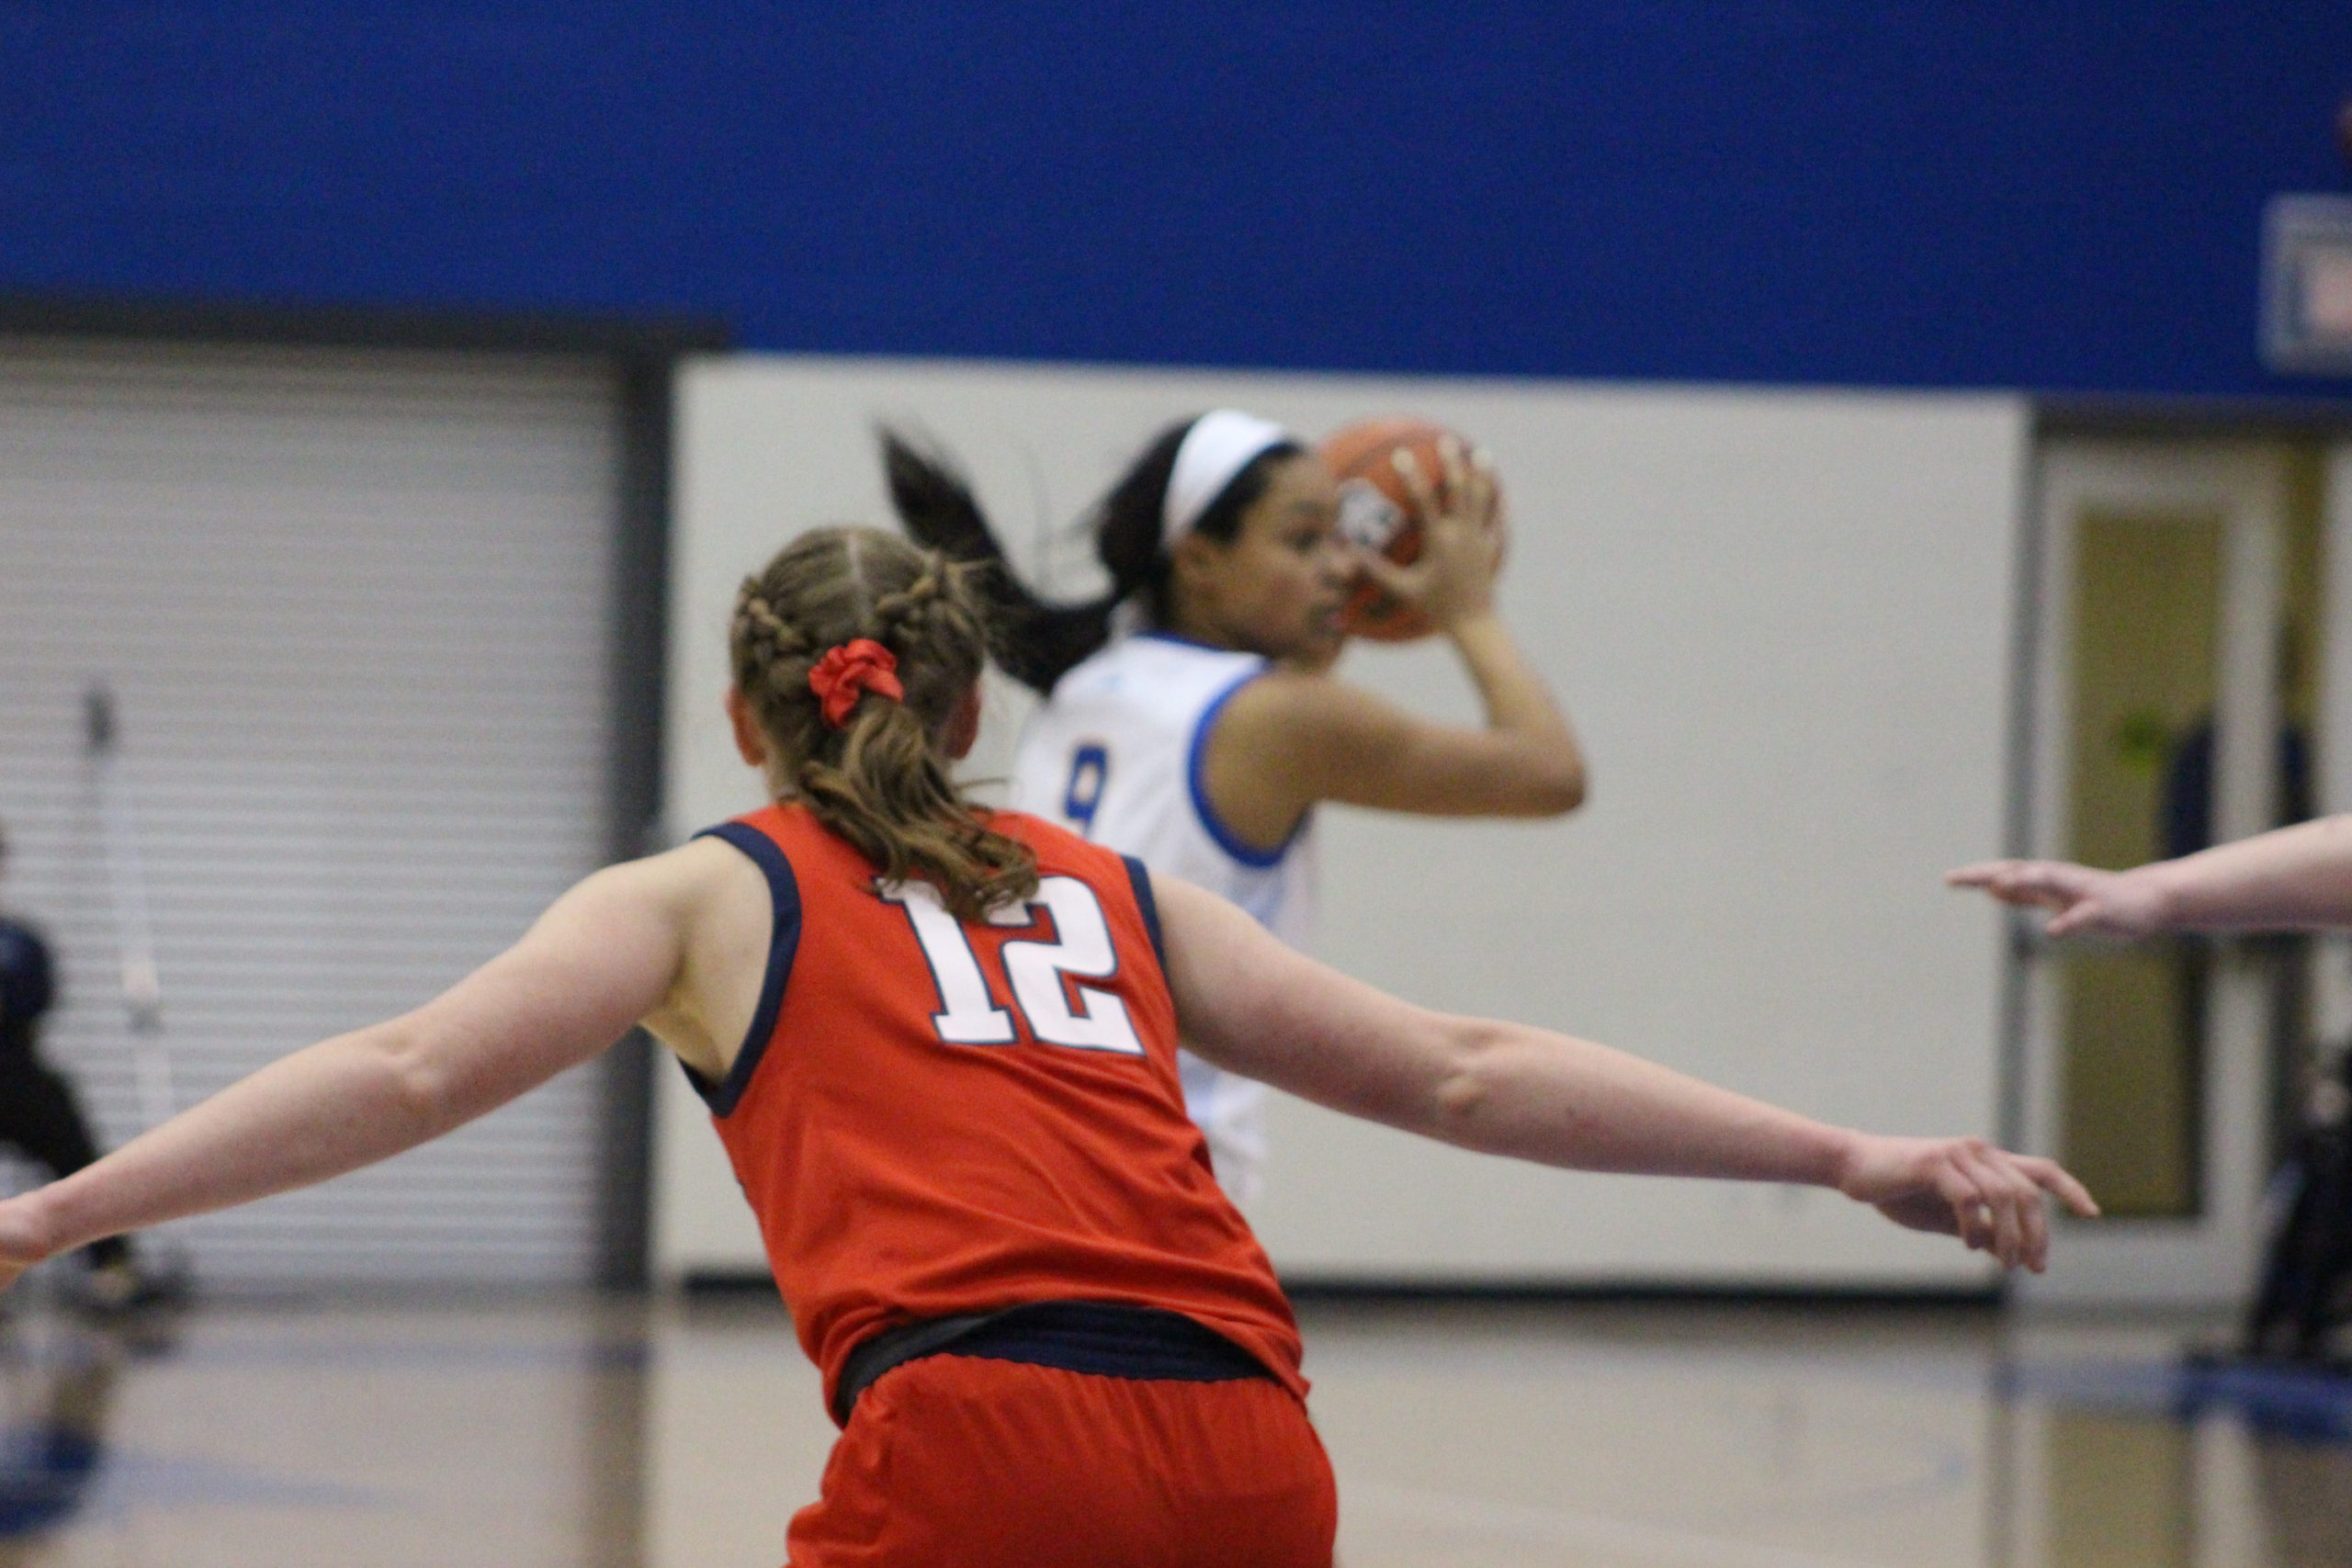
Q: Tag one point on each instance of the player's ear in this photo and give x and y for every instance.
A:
(1191, 558)
(749, 744)
(1196, 568)
(962, 730)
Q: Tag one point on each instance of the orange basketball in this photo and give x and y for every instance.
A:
(1377, 512)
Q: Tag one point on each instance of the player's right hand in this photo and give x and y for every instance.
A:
(1462, 538)
(2101, 903)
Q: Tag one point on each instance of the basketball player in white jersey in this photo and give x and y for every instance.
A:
(1201, 738)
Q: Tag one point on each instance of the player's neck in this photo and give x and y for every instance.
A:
(1189, 625)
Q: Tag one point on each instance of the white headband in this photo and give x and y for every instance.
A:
(1219, 446)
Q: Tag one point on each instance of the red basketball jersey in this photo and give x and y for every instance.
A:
(932, 1117)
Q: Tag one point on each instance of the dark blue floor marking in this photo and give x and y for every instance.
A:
(197, 1353)
(2308, 1406)
(50, 1475)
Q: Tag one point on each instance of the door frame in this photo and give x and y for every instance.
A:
(2208, 1260)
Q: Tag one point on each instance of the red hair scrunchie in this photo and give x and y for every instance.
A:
(848, 673)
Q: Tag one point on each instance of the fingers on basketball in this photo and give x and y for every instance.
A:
(1437, 482)
(1485, 494)
(1407, 464)
(1402, 582)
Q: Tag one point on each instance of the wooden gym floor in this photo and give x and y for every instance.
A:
(614, 1434)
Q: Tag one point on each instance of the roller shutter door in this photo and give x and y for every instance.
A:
(355, 608)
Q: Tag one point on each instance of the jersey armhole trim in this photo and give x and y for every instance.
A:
(784, 944)
(1140, 880)
(1197, 785)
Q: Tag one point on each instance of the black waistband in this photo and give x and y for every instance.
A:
(1106, 1339)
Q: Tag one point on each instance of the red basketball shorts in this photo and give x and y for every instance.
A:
(954, 1462)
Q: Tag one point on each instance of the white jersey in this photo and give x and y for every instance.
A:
(1115, 756)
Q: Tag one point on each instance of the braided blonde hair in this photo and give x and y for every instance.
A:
(878, 781)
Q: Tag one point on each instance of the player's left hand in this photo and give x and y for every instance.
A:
(1989, 1198)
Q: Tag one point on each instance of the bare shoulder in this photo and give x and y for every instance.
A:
(705, 882)
(678, 877)
(699, 864)
(687, 892)
(1285, 699)
(711, 906)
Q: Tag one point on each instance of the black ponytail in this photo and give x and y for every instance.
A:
(1040, 642)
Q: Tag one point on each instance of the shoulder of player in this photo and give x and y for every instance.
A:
(1147, 673)
(680, 882)
(1293, 706)
(1103, 675)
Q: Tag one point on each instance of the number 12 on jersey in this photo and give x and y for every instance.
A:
(968, 1014)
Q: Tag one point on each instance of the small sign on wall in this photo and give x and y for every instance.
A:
(2307, 285)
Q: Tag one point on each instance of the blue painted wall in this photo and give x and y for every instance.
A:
(1876, 192)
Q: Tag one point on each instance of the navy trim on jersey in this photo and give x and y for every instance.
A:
(1197, 762)
(784, 942)
(1140, 880)
(1108, 1339)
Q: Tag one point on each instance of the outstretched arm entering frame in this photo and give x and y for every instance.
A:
(2297, 878)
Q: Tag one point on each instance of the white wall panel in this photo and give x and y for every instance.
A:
(1781, 621)
(355, 608)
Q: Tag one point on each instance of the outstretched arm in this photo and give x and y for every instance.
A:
(1248, 1003)
(2297, 878)
(602, 957)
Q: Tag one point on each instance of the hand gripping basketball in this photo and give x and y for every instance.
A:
(1452, 573)
(1413, 495)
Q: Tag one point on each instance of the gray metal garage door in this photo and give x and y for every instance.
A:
(354, 608)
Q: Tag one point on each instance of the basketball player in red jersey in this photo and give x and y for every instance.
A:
(940, 1046)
